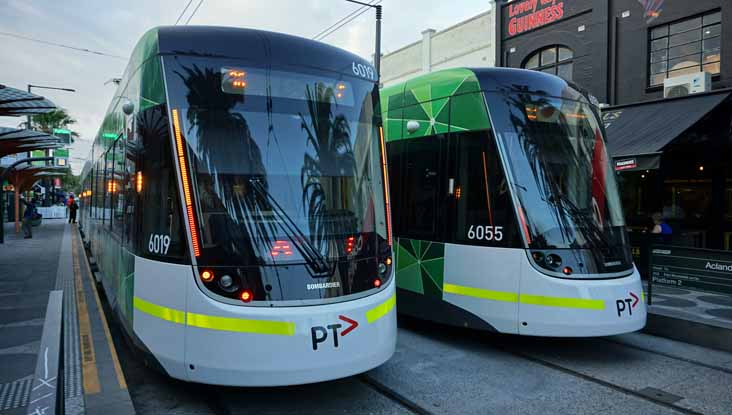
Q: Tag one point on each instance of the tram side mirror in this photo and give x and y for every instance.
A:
(128, 108)
(412, 126)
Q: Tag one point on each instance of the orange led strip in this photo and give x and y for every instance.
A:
(186, 186)
(386, 185)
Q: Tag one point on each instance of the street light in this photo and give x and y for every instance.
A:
(48, 153)
(377, 57)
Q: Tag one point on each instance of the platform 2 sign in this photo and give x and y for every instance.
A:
(696, 269)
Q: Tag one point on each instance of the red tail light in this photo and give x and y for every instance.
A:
(281, 248)
(377, 283)
(350, 243)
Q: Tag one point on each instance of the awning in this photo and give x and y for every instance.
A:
(15, 102)
(637, 134)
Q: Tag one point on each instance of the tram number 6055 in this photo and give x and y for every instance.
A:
(159, 244)
(485, 233)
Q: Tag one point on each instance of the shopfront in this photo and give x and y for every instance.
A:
(619, 50)
(672, 155)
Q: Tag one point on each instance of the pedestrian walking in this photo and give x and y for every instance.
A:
(73, 207)
(28, 215)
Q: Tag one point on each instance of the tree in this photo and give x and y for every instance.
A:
(55, 119)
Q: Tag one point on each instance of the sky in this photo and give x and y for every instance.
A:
(113, 27)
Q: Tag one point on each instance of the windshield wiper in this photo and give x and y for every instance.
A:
(312, 255)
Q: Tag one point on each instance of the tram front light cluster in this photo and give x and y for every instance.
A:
(384, 270)
(550, 261)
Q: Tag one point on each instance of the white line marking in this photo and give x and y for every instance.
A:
(42, 397)
(45, 363)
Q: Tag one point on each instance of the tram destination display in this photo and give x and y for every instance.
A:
(700, 269)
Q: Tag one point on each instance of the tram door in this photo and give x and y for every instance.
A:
(480, 228)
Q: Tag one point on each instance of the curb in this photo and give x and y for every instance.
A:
(689, 330)
(44, 397)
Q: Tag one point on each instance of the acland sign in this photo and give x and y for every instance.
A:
(532, 14)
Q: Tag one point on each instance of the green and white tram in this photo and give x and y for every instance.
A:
(235, 203)
(506, 212)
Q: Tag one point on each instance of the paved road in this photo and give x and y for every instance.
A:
(442, 370)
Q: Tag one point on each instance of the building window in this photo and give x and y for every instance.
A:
(685, 47)
(556, 60)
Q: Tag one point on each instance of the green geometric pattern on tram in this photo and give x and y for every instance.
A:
(420, 266)
(428, 99)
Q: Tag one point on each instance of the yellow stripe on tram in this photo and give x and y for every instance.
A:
(381, 310)
(480, 293)
(510, 297)
(562, 302)
(281, 328)
(165, 313)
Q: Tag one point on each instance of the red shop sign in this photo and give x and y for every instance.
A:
(531, 14)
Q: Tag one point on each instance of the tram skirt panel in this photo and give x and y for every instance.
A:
(159, 307)
(550, 306)
(271, 346)
(484, 281)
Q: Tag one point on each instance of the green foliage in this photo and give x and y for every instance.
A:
(55, 119)
(71, 183)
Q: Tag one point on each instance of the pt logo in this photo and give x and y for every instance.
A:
(627, 304)
(319, 334)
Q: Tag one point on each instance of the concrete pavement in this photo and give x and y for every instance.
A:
(28, 272)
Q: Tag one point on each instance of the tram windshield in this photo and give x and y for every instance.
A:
(562, 177)
(285, 164)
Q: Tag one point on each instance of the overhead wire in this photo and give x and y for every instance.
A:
(364, 10)
(194, 11)
(60, 45)
(183, 12)
(358, 9)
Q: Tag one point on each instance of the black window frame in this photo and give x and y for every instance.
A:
(551, 67)
(666, 34)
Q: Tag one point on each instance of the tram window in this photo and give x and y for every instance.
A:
(482, 213)
(99, 188)
(107, 200)
(130, 190)
(159, 201)
(117, 187)
(415, 164)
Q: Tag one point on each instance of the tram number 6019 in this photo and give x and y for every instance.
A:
(363, 71)
(485, 233)
(159, 244)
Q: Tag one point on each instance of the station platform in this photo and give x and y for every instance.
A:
(55, 346)
(691, 316)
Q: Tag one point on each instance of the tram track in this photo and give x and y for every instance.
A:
(393, 395)
(668, 355)
(597, 381)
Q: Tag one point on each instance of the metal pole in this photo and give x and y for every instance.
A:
(28, 125)
(377, 58)
(16, 186)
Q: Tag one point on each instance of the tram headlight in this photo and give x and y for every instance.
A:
(553, 260)
(227, 284)
(538, 257)
(382, 269)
